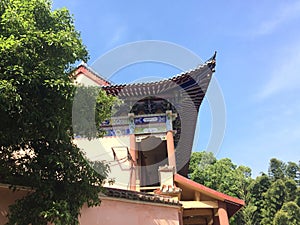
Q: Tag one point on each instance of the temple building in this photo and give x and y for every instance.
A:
(149, 138)
(147, 143)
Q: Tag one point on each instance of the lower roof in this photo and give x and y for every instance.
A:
(233, 204)
(140, 196)
(119, 194)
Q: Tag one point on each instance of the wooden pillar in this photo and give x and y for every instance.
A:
(171, 149)
(133, 163)
(215, 217)
(223, 216)
(216, 220)
(132, 152)
(170, 139)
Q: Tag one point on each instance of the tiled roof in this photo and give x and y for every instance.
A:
(233, 204)
(167, 189)
(211, 192)
(140, 196)
(91, 74)
(193, 82)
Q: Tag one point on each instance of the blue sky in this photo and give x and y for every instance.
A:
(258, 63)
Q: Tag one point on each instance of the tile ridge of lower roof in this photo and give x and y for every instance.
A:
(141, 196)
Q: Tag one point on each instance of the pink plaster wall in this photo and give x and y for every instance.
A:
(110, 212)
(8, 197)
(115, 212)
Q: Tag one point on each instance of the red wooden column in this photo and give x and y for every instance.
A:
(132, 163)
(171, 149)
(170, 140)
(223, 216)
(132, 152)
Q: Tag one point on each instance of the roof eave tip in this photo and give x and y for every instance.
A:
(215, 55)
(212, 62)
(82, 63)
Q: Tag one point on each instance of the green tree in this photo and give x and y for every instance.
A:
(249, 214)
(288, 214)
(297, 199)
(277, 169)
(198, 163)
(224, 176)
(270, 193)
(256, 189)
(273, 201)
(275, 195)
(38, 47)
(292, 171)
(200, 160)
(290, 190)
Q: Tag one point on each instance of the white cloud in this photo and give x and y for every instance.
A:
(285, 75)
(286, 13)
(118, 35)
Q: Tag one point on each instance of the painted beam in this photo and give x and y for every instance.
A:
(197, 212)
(199, 205)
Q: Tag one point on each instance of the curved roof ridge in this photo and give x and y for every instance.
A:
(211, 63)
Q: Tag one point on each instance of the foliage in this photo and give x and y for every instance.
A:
(37, 50)
(271, 198)
(288, 214)
(220, 175)
(256, 189)
(276, 169)
(273, 201)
